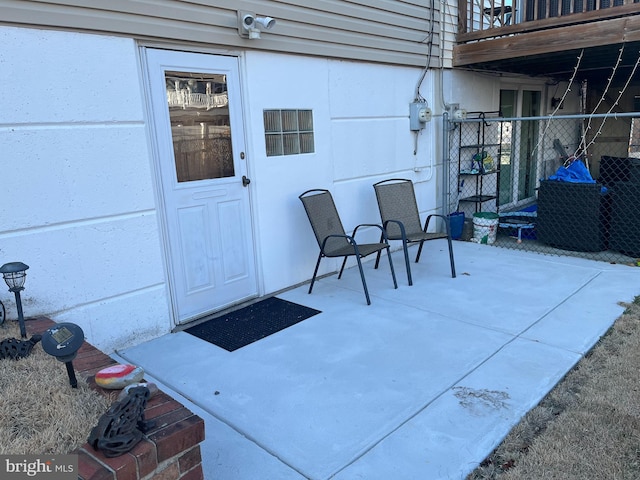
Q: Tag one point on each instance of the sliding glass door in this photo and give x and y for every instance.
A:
(518, 164)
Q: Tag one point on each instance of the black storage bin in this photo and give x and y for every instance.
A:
(634, 170)
(614, 169)
(572, 216)
(624, 233)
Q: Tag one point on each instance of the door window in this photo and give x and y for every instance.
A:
(200, 125)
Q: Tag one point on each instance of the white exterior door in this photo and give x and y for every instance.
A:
(199, 137)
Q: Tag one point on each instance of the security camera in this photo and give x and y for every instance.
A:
(265, 22)
(248, 21)
(250, 25)
(247, 27)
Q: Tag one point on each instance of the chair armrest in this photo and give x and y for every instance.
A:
(384, 233)
(348, 238)
(444, 219)
(403, 232)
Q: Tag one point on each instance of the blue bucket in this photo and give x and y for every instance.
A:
(456, 223)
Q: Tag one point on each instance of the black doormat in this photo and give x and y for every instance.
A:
(249, 324)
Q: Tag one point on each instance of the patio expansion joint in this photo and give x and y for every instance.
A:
(555, 307)
(457, 381)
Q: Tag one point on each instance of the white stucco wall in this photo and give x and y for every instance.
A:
(80, 206)
(77, 200)
(361, 126)
(474, 92)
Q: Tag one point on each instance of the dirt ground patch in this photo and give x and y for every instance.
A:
(39, 411)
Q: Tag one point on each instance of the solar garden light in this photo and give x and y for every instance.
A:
(63, 342)
(14, 275)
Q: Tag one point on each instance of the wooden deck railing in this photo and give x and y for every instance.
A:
(489, 18)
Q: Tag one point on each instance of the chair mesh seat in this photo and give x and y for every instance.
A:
(420, 236)
(364, 249)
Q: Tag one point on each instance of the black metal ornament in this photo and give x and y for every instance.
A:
(15, 349)
(121, 427)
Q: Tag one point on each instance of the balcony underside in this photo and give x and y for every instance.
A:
(554, 52)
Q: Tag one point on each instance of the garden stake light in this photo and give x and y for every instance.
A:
(14, 275)
(63, 342)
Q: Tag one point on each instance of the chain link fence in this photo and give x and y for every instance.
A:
(562, 185)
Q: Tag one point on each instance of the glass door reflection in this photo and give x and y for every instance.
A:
(200, 125)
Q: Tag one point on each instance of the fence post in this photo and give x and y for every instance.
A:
(446, 166)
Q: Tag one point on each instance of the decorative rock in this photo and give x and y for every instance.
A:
(119, 376)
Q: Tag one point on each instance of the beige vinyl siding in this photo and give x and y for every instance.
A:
(388, 31)
(450, 30)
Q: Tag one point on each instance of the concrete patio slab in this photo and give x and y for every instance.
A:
(423, 383)
(456, 432)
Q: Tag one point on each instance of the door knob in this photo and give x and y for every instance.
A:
(245, 181)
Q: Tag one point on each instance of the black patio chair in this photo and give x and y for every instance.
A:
(332, 239)
(401, 219)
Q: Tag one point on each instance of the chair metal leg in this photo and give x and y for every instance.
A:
(453, 266)
(451, 260)
(364, 282)
(315, 272)
(393, 272)
(419, 251)
(406, 261)
(379, 253)
(425, 230)
(447, 228)
(344, 262)
(377, 259)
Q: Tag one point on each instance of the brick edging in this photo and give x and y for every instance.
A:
(169, 451)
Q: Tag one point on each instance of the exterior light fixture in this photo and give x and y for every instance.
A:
(14, 275)
(63, 342)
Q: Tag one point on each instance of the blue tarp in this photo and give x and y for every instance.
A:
(576, 172)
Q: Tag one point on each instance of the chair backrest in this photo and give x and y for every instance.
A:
(324, 218)
(397, 201)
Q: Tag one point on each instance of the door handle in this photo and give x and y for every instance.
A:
(245, 181)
